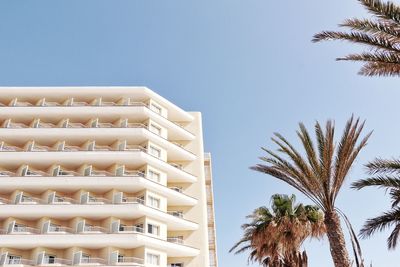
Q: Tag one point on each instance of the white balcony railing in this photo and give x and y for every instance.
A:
(177, 189)
(19, 261)
(130, 229)
(55, 261)
(131, 261)
(56, 229)
(64, 200)
(175, 213)
(94, 261)
(22, 229)
(94, 229)
(176, 240)
(132, 200)
(98, 200)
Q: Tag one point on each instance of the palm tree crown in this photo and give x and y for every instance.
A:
(319, 173)
(386, 175)
(381, 34)
(274, 236)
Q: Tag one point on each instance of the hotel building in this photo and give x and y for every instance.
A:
(102, 176)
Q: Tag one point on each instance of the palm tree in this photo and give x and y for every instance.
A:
(274, 236)
(386, 175)
(319, 174)
(381, 35)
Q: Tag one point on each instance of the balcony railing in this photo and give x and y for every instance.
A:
(133, 200)
(60, 229)
(130, 229)
(175, 213)
(130, 261)
(18, 229)
(64, 200)
(94, 229)
(177, 189)
(55, 261)
(4, 201)
(95, 261)
(176, 240)
(98, 200)
(31, 200)
(17, 261)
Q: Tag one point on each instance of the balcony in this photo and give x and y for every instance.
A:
(130, 229)
(132, 200)
(55, 262)
(138, 112)
(132, 132)
(18, 262)
(84, 261)
(176, 240)
(174, 221)
(90, 229)
(129, 261)
(173, 246)
(24, 230)
(136, 154)
(57, 229)
(176, 213)
(132, 182)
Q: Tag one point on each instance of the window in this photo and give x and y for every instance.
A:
(155, 176)
(155, 129)
(152, 259)
(176, 264)
(153, 229)
(155, 151)
(154, 202)
(155, 108)
(13, 259)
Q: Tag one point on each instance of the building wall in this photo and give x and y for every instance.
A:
(95, 195)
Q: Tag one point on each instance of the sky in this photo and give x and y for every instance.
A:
(248, 65)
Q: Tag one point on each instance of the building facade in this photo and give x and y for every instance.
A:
(102, 176)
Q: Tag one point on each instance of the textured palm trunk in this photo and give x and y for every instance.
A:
(337, 243)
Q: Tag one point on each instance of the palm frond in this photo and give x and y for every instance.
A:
(381, 35)
(394, 237)
(378, 42)
(383, 166)
(386, 11)
(380, 69)
(383, 57)
(379, 28)
(381, 181)
(380, 223)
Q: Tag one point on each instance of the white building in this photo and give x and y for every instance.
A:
(101, 176)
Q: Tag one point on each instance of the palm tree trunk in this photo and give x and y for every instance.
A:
(337, 243)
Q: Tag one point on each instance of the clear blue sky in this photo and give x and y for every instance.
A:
(248, 66)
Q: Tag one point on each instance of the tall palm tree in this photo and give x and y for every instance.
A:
(274, 237)
(386, 174)
(381, 34)
(319, 173)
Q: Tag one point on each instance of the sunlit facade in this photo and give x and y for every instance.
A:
(102, 176)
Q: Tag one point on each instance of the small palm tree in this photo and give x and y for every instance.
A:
(319, 173)
(381, 35)
(386, 175)
(274, 237)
